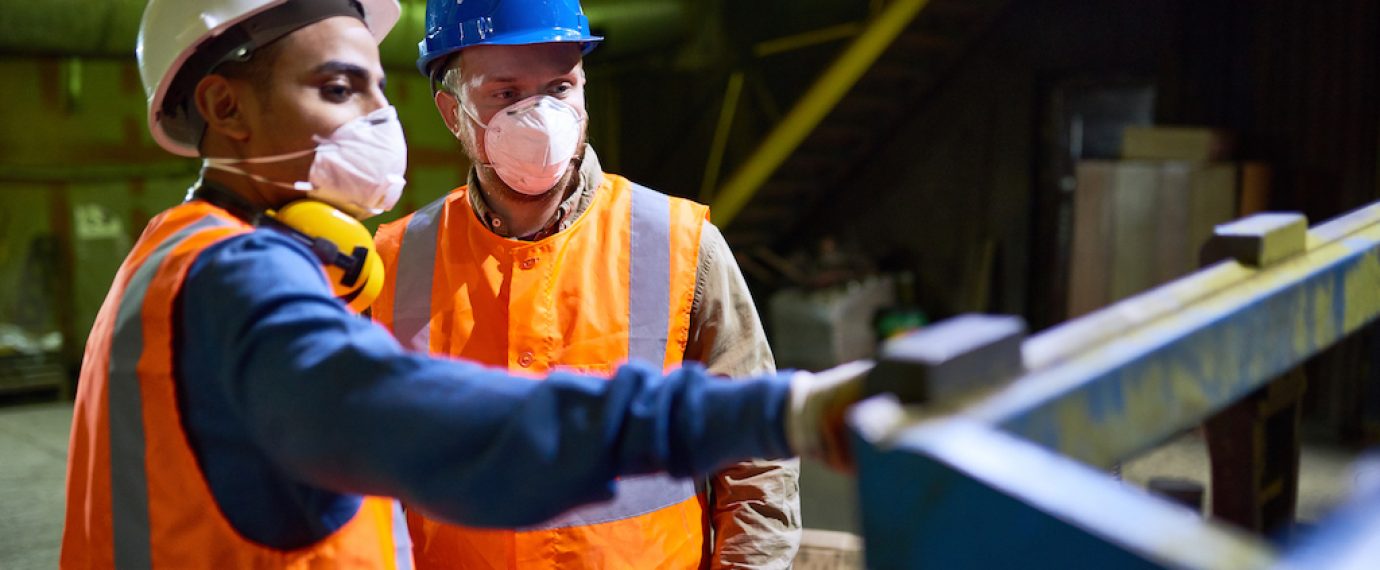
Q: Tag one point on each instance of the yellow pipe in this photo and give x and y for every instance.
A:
(806, 39)
(716, 148)
(821, 98)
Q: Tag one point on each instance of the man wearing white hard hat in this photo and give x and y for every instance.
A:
(233, 412)
(543, 261)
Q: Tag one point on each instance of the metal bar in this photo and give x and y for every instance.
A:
(821, 98)
(997, 482)
(721, 131)
(944, 362)
(806, 39)
(1080, 335)
(1344, 225)
(1348, 539)
(952, 493)
(1083, 334)
(1147, 382)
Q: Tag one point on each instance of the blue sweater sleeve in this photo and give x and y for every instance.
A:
(334, 401)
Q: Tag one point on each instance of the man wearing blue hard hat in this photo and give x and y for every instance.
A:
(234, 412)
(543, 262)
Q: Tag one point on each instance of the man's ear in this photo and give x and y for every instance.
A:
(221, 105)
(449, 107)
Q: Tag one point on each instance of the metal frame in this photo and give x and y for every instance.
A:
(812, 107)
(1008, 476)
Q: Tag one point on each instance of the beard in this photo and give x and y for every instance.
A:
(494, 186)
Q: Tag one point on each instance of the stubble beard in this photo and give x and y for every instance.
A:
(494, 187)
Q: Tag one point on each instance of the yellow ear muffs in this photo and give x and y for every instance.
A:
(342, 244)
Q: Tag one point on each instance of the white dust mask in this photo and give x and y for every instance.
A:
(530, 143)
(358, 168)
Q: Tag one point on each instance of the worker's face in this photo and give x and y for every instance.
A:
(494, 77)
(324, 75)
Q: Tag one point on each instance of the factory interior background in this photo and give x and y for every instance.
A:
(1038, 158)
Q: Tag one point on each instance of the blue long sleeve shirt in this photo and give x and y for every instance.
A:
(295, 407)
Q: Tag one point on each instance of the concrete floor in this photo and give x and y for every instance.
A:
(33, 449)
(1324, 472)
(33, 463)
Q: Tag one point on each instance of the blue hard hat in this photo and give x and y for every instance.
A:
(453, 25)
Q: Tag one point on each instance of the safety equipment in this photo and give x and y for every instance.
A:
(530, 143)
(617, 284)
(124, 513)
(358, 168)
(814, 419)
(343, 245)
(452, 26)
(340, 242)
(180, 41)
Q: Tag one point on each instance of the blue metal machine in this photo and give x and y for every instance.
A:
(1003, 463)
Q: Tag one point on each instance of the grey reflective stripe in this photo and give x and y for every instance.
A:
(635, 496)
(129, 489)
(649, 290)
(649, 310)
(402, 541)
(649, 321)
(416, 267)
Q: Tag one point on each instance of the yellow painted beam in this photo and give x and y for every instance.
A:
(816, 103)
(806, 39)
(721, 131)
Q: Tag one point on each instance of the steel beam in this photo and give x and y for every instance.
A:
(1131, 387)
(812, 107)
(1009, 477)
(954, 493)
(1347, 540)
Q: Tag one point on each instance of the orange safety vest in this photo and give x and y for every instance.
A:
(136, 497)
(617, 283)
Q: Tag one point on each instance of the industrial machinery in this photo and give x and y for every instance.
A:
(1003, 462)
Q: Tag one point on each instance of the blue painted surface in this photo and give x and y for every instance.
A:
(931, 505)
(918, 512)
(1218, 355)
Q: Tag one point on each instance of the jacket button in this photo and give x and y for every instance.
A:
(525, 360)
(529, 263)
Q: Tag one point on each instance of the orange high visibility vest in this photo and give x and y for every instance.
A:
(618, 283)
(136, 497)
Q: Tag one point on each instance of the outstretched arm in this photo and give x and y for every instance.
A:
(332, 398)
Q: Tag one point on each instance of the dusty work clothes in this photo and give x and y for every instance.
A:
(617, 275)
(231, 413)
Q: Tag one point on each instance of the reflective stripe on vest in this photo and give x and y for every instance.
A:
(402, 541)
(129, 497)
(416, 265)
(161, 513)
(649, 268)
(649, 309)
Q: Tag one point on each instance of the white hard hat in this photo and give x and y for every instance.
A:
(183, 33)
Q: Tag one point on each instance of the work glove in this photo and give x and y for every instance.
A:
(815, 422)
